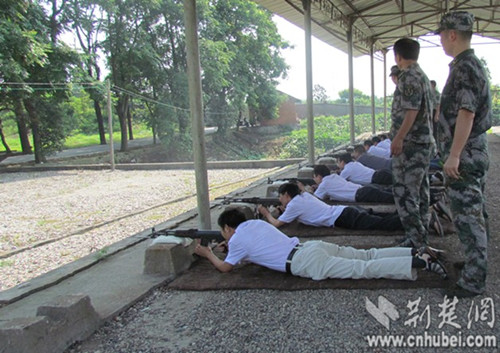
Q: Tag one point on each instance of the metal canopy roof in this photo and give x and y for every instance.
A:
(382, 22)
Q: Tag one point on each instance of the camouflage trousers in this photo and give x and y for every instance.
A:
(411, 190)
(467, 205)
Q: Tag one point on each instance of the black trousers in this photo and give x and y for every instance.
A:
(360, 218)
(382, 176)
(372, 193)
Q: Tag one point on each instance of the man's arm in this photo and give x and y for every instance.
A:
(206, 252)
(265, 212)
(436, 116)
(397, 141)
(463, 127)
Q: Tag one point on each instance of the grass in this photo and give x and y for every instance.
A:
(77, 140)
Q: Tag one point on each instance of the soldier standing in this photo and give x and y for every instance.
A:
(464, 119)
(412, 144)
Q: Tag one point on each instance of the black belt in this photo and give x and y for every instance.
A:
(288, 262)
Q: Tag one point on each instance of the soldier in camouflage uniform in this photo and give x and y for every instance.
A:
(412, 144)
(464, 119)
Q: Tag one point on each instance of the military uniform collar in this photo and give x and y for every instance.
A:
(462, 55)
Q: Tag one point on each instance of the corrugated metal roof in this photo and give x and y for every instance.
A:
(382, 22)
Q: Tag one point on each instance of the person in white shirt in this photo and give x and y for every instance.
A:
(385, 143)
(356, 172)
(260, 243)
(334, 187)
(310, 210)
(370, 160)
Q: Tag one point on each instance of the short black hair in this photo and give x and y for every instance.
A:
(432, 82)
(345, 157)
(376, 139)
(291, 189)
(367, 143)
(407, 48)
(321, 170)
(382, 136)
(359, 149)
(231, 217)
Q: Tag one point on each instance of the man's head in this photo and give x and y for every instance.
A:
(455, 31)
(287, 192)
(367, 144)
(383, 137)
(319, 172)
(358, 151)
(406, 51)
(375, 140)
(343, 159)
(229, 220)
(433, 83)
(394, 74)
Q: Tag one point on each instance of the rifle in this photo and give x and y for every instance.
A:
(264, 201)
(206, 236)
(305, 181)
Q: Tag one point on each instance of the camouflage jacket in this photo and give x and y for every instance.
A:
(467, 88)
(413, 92)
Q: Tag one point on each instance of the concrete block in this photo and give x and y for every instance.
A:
(24, 335)
(330, 162)
(272, 189)
(249, 210)
(305, 172)
(72, 318)
(168, 259)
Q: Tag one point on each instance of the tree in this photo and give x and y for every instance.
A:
(87, 21)
(241, 61)
(319, 94)
(21, 49)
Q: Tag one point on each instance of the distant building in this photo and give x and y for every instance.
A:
(287, 114)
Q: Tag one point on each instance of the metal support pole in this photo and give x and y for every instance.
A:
(385, 89)
(351, 80)
(309, 81)
(110, 128)
(372, 74)
(196, 109)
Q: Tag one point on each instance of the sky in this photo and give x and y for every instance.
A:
(330, 65)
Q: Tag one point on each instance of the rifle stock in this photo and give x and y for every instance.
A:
(206, 236)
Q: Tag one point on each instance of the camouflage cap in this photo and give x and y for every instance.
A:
(458, 20)
(394, 71)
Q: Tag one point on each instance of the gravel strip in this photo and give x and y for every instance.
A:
(47, 205)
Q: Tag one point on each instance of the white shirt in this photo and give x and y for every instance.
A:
(261, 243)
(337, 188)
(357, 173)
(385, 144)
(310, 210)
(379, 151)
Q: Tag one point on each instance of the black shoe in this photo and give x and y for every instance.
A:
(436, 225)
(442, 210)
(459, 292)
(436, 267)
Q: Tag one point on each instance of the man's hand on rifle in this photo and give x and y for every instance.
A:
(203, 251)
(263, 210)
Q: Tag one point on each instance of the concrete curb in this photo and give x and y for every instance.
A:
(153, 166)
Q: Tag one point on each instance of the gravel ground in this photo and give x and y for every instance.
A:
(41, 206)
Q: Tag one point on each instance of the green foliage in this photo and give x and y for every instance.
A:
(329, 131)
